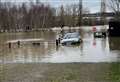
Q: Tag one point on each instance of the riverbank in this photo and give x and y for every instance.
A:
(69, 72)
(57, 28)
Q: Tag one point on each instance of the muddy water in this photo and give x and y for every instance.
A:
(91, 50)
(26, 52)
(48, 63)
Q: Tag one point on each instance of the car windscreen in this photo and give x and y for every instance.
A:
(72, 35)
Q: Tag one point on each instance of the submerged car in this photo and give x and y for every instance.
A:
(99, 34)
(71, 38)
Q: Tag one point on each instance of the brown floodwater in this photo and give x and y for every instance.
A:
(44, 62)
(90, 50)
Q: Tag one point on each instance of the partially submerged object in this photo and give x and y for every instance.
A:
(100, 34)
(71, 38)
(114, 28)
(25, 40)
(34, 42)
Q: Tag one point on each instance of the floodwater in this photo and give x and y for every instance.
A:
(92, 49)
(44, 62)
(26, 51)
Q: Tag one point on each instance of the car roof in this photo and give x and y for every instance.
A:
(72, 33)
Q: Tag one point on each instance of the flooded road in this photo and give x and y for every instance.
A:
(47, 63)
(90, 50)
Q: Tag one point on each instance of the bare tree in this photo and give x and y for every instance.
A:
(61, 15)
(68, 15)
(36, 15)
(115, 7)
(80, 12)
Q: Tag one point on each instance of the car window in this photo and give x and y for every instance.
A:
(72, 35)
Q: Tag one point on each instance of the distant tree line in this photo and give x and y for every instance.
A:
(36, 15)
(25, 16)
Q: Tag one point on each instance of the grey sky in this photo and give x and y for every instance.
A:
(93, 5)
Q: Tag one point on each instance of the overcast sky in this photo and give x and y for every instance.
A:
(93, 5)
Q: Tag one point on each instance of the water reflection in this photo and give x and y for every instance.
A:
(27, 54)
(114, 43)
(91, 50)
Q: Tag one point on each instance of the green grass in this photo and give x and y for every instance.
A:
(73, 72)
(114, 72)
